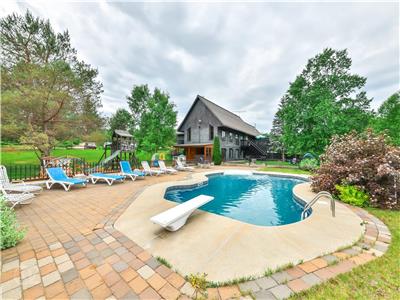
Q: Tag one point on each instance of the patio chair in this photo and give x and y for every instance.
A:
(109, 178)
(181, 167)
(174, 218)
(126, 170)
(19, 198)
(148, 171)
(21, 186)
(57, 175)
(163, 168)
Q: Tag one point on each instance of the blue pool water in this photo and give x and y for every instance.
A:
(256, 199)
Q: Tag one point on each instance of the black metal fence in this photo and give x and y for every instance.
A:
(37, 172)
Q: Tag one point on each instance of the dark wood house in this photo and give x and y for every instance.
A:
(203, 122)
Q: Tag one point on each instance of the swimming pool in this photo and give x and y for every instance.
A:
(256, 199)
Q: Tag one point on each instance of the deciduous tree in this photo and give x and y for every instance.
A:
(388, 118)
(324, 100)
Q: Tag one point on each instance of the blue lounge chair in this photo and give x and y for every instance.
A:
(109, 178)
(126, 170)
(57, 175)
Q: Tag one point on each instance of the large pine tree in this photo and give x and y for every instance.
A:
(47, 93)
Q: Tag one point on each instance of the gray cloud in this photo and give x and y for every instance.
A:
(240, 56)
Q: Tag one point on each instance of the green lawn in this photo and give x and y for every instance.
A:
(285, 170)
(378, 279)
(28, 157)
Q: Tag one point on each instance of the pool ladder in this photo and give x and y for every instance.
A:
(315, 199)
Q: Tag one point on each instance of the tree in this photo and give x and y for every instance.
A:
(217, 156)
(276, 136)
(324, 100)
(156, 127)
(388, 118)
(138, 102)
(121, 119)
(47, 93)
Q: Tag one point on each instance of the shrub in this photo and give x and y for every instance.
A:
(365, 160)
(11, 234)
(217, 156)
(309, 164)
(352, 195)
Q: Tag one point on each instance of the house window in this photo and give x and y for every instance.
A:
(211, 132)
(230, 153)
(189, 134)
(230, 137)
(237, 139)
(223, 135)
(237, 153)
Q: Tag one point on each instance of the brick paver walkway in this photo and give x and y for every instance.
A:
(72, 250)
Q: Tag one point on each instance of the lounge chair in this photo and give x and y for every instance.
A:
(19, 198)
(126, 170)
(181, 167)
(163, 168)
(21, 186)
(148, 171)
(109, 178)
(174, 218)
(57, 175)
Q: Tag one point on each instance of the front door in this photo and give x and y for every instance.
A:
(223, 150)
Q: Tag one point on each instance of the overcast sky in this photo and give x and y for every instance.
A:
(241, 56)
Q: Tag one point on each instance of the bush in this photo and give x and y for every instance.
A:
(309, 164)
(365, 160)
(352, 195)
(11, 234)
(217, 156)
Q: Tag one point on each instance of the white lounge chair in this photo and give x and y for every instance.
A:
(21, 186)
(150, 171)
(57, 175)
(163, 168)
(181, 167)
(174, 218)
(20, 198)
(109, 178)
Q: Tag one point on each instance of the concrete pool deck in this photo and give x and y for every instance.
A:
(226, 249)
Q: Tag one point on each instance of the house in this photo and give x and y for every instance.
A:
(203, 122)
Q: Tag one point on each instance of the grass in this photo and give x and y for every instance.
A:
(378, 279)
(28, 157)
(285, 170)
(164, 262)
(16, 156)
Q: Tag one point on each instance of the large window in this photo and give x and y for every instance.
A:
(237, 154)
(211, 132)
(237, 139)
(230, 137)
(230, 153)
(223, 135)
(189, 134)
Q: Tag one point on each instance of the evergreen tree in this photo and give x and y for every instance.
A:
(47, 93)
(217, 155)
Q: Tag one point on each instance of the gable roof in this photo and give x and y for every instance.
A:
(227, 118)
(122, 133)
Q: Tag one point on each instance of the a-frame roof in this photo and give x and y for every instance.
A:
(227, 118)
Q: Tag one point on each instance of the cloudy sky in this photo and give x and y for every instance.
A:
(241, 56)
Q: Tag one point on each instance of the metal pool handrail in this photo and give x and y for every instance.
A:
(315, 199)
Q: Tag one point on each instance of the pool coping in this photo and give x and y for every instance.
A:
(148, 235)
